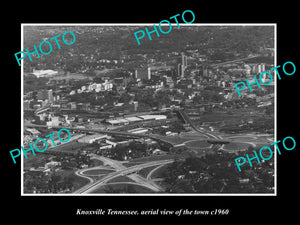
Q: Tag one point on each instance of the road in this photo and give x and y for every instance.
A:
(118, 166)
(149, 175)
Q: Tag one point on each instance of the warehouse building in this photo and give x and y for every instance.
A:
(89, 139)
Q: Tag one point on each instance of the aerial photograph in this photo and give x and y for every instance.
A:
(157, 116)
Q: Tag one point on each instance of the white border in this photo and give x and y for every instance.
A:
(151, 24)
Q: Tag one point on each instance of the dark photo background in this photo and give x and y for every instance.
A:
(245, 208)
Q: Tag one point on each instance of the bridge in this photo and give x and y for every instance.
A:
(126, 171)
(41, 110)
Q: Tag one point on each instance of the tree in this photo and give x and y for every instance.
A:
(182, 186)
(177, 127)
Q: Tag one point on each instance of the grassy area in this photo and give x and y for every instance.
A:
(251, 138)
(236, 146)
(76, 180)
(72, 146)
(98, 177)
(96, 162)
(159, 173)
(237, 114)
(242, 138)
(145, 171)
(129, 164)
(97, 172)
(219, 116)
(192, 135)
(122, 188)
(76, 76)
(153, 158)
(120, 179)
(175, 139)
(197, 144)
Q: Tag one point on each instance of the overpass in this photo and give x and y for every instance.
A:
(41, 110)
(182, 114)
(94, 186)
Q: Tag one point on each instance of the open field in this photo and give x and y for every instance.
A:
(197, 144)
(71, 76)
(251, 137)
(120, 179)
(191, 135)
(144, 172)
(97, 162)
(97, 172)
(175, 139)
(129, 164)
(236, 146)
(216, 116)
(76, 180)
(71, 147)
(159, 173)
(157, 157)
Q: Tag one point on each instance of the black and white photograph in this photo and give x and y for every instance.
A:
(142, 112)
(155, 117)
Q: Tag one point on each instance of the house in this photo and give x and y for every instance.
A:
(244, 181)
(40, 169)
(52, 164)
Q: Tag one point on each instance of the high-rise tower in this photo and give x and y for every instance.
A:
(183, 64)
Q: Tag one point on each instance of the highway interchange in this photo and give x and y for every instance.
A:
(120, 170)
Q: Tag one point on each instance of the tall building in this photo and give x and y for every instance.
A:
(55, 122)
(50, 95)
(259, 68)
(183, 64)
(135, 105)
(183, 60)
(149, 73)
(179, 69)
